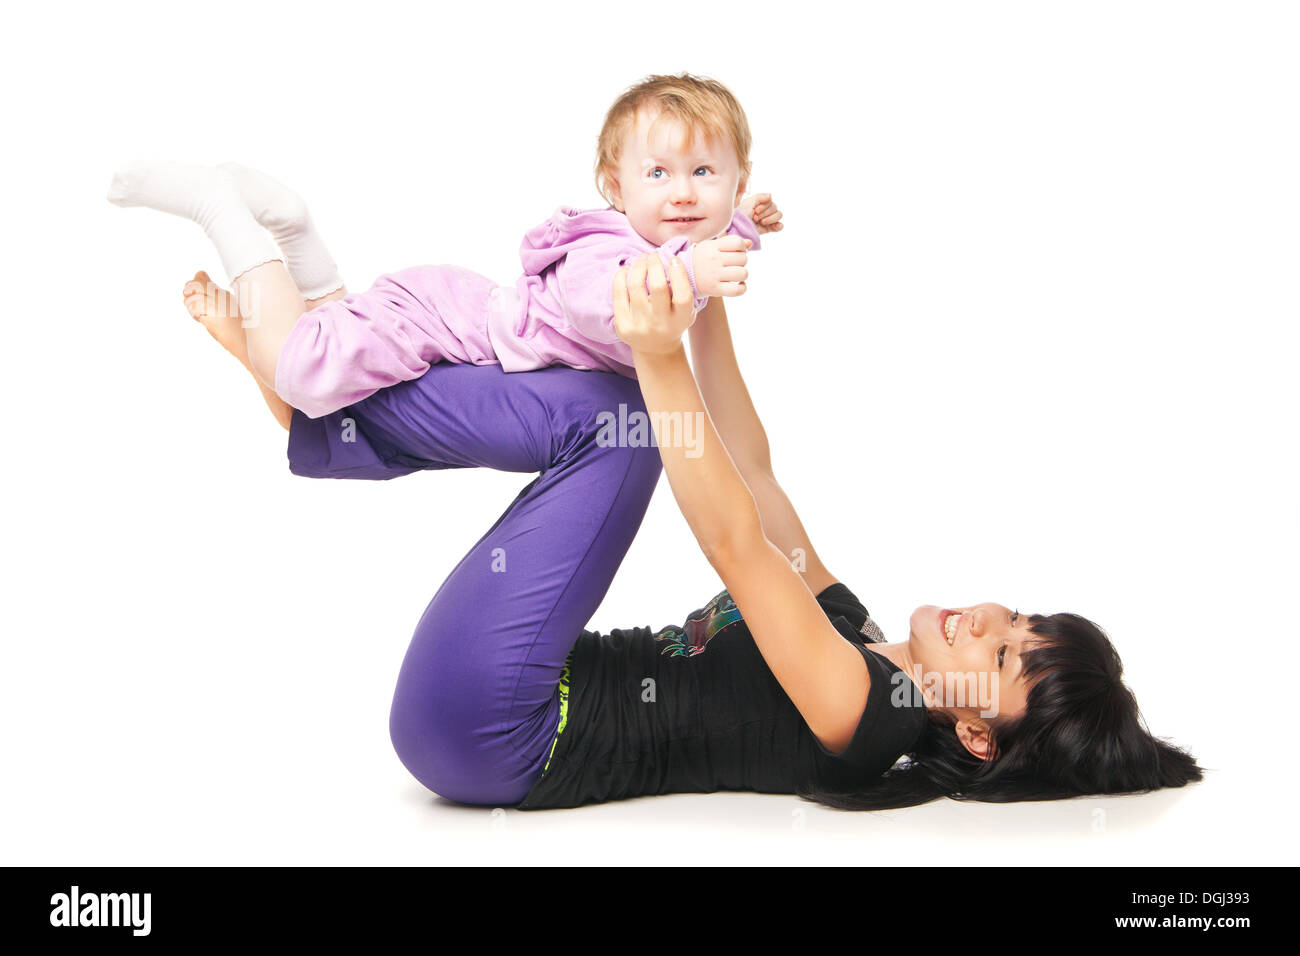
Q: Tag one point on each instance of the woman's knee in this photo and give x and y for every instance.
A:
(455, 763)
(422, 743)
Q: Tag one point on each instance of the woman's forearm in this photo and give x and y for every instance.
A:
(712, 495)
(718, 373)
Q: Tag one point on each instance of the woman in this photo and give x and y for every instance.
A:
(781, 683)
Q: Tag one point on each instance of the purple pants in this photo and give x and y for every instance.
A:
(477, 699)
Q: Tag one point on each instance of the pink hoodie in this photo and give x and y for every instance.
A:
(559, 313)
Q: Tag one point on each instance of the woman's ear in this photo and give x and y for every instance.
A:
(976, 739)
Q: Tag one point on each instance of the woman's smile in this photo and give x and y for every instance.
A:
(949, 634)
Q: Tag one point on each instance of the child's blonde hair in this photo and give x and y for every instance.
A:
(704, 106)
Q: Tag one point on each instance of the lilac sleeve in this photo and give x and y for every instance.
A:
(586, 280)
(743, 226)
(685, 251)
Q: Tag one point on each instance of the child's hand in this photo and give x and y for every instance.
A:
(720, 266)
(760, 208)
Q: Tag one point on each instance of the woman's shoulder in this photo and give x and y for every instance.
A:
(892, 721)
(894, 716)
(838, 601)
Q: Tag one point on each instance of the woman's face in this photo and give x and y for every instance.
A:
(970, 662)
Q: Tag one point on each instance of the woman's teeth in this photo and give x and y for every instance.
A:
(950, 627)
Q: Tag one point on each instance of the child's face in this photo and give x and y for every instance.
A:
(663, 178)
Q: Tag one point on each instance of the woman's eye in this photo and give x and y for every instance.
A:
(1015, 616)
(1002, 654)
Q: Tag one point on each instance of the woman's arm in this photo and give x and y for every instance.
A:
(823, 675)
(718, 373)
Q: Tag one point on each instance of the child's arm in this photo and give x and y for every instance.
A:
(714, 267)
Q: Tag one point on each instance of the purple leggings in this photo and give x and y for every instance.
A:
(477, 699)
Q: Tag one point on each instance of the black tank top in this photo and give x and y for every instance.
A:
(695, 709)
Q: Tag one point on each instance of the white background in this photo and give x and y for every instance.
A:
(1029, 338)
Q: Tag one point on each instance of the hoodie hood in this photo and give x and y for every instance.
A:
(570, 229)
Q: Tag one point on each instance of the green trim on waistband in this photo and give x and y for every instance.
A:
(564, 714)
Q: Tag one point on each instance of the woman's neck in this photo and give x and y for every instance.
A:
(900, 656)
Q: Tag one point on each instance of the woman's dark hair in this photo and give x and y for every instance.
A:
(1081, 733)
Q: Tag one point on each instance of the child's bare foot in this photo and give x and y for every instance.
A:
(218, 311)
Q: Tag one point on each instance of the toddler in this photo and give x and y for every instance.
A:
(672, 161)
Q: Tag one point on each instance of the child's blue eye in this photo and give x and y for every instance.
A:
(654, 172)
(705, 168)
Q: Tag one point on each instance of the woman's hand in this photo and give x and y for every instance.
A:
(652, 322)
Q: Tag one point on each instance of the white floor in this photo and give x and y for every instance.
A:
(1029, 337)
(367, 813)
(202, 700)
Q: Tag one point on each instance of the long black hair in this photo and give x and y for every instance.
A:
(1081, 733)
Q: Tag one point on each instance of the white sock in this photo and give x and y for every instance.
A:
(282, 211)
(205, 195)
